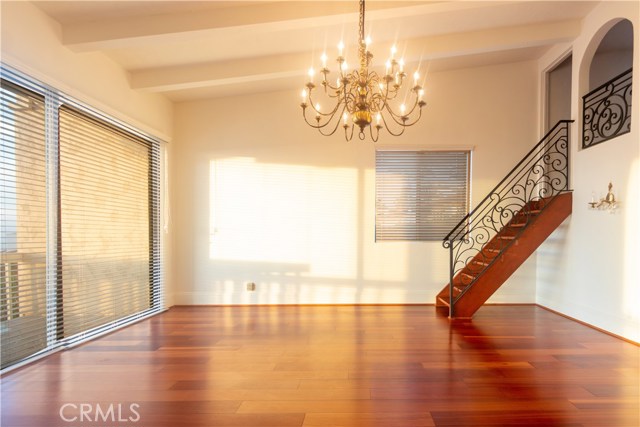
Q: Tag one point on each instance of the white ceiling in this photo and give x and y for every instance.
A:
(195, 49)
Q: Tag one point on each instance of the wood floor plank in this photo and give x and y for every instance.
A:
(392, 419)
(401, 405)
(333, 366)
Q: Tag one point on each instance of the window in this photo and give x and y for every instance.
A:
(79, 221)
(420, 195)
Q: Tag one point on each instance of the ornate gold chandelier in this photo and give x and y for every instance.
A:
(362, 96)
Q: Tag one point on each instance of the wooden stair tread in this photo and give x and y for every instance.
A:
(443, 301)
(528, 213)
(459, 289)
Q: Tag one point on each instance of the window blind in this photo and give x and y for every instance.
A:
(105, 234)
(80, 241)
(420, 195)
(23, 223)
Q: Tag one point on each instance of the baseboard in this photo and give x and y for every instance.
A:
(604, 331)
(311, 305)
(417, 305)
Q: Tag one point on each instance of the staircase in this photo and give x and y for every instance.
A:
(508, 225)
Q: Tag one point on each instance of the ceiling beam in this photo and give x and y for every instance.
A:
(260, 18)
(217, 73)
(295, 65)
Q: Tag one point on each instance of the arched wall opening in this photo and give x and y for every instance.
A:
(605, 80)
(614, 54)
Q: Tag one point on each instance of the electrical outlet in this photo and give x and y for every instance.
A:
(251, 286)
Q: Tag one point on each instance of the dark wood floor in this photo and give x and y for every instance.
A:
(335, 366)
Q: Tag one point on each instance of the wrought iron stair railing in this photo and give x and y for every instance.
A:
(506, 211)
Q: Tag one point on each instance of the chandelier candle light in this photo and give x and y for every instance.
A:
(362, 95)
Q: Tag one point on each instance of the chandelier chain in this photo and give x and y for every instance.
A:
(361, 42)
(361, 26)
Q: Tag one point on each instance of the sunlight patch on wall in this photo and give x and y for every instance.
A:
(278, 213)
(383, 260)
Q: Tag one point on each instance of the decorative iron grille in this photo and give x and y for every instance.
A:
(607, 110)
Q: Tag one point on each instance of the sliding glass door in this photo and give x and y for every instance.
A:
(79, 221)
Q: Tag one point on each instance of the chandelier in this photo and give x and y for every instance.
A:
(361, 96)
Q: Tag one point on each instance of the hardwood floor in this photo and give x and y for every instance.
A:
(334, 366)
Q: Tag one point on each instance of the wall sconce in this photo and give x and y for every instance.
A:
(607, 203)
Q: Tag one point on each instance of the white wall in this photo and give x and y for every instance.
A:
(259, 196)
(31, 43)
(589, 268)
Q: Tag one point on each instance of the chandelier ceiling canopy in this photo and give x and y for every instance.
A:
(362, 98)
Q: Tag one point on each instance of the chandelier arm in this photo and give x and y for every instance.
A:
(319, 113)
(332, 131)
(320, 127)
(386, 87)
(406, 115)
(337, 89)
(383, 96)
(374, 138)
(411, 123)
(378, 100)
(416, 103)
(397, 118)
(390, 95)
(313, 125)
(342, 88)
(413, 108)
(317, 124)
(335, 95)
(337, 123)
(389, 129)
(348, 136)
(349, 102)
